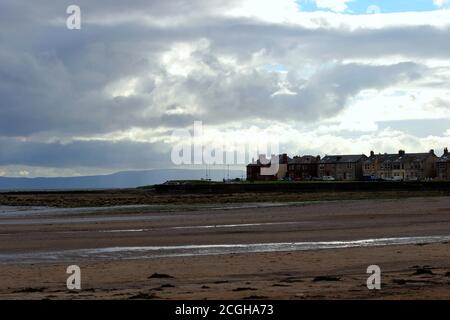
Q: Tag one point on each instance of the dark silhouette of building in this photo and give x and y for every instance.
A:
(303, 168)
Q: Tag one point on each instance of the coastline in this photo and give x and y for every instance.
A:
(419, 270)
(285, 275)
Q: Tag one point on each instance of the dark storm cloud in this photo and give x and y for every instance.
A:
(118, 155)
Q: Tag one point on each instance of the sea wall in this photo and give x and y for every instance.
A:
(356, 186)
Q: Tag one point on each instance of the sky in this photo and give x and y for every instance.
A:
(318, 76)
(371, 6)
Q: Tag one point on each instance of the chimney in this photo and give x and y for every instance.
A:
(262, 159)
(432, 151)
(445, 152)
(401, 153)
(372, 153)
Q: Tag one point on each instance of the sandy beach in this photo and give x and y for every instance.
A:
(297, 250)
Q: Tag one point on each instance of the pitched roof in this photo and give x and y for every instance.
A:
(445, 158)
(396, 157)
(282, 159)
(253, 165)
(343, 158)
(303, 160)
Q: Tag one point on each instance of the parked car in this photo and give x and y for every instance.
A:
(328, 178)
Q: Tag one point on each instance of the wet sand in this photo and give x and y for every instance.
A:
(121, 197)
(419, 270)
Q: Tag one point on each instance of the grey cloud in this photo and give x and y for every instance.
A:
(68, 96)
(326, 93)
(101, 154)
(54, 80)
(419, 128)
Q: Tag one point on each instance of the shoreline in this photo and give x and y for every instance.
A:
(420, 270)
(149, 253)
(408, 272)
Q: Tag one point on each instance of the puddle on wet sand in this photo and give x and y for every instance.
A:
(22, 211)
(46, 215)
(116, 253)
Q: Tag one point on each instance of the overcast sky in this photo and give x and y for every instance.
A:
(321, 76)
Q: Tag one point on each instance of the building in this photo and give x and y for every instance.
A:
(372, 166)
(443, 166)
(260, 169)
(303, 168)
(342, 167)
(400, 166)
(253, 171)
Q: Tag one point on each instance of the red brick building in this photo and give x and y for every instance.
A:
(303, 168)
(254, 169)
(443, 166)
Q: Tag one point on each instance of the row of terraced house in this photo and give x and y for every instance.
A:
(400, 166)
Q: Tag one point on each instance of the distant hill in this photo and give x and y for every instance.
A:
(124, 179)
